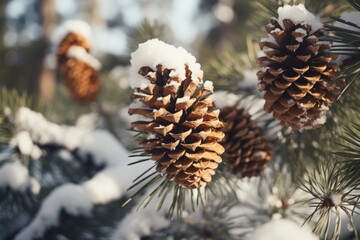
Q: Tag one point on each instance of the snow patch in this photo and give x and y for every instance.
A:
(353, 17)
(71, 198)
(336, 198)
(154, 52)
(298, 14)
(225, 99)
(138, 224)
(183, 99)
(209, 85)
(321, 120)
(72, 26)
(81, 54)
(44, 132)
(23, 142)
(282, 229)
(16, 176)
(106, 186)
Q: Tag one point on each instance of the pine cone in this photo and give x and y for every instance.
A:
(247, 150)
(298, 74)
(81, 73)
(183, 130)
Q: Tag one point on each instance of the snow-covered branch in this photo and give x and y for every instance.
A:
(108, 185)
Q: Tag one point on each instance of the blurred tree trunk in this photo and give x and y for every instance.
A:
(3, 50)
(47, 81)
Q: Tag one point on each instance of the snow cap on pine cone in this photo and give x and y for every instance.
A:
(297, 70)
(154, 52)
(72, 26)
(181, 130)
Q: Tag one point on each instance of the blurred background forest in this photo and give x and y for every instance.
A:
(28, 28)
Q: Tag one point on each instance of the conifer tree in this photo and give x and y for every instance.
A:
(255, 143)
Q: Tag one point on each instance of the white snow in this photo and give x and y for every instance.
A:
(353, 17)
(183, 99)
(276, 30)
(90, 121)
(42, 131)
(250, 79)
(298, 14)
(138, 224)
(72, 26)
(16, 176)
(154, 52)
(319, 121)
(71, 198)
(23, 141)
(282, 229)
(269, 39)
(225, 99)
(108, 185)
(81, 54)
(302, 31)
(336, 198)
(209, 85)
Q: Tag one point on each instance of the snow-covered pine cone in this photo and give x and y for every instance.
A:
(182, 124)
(80, 69)
(298, 71)
(247, 149)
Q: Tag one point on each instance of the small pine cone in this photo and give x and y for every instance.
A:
(247, 149)
(80, 69)
(70, 40)
(298, 74)
(183, 128)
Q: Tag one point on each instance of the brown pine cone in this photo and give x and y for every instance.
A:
(298, 74)
(81, 79)
(183, 126)
(80, 69)
(247, 149)
(70, 40)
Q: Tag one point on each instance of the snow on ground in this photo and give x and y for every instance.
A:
(108, 185)
(154, 52)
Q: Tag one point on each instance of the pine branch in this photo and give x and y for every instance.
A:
(355, 4)
(10, 102)
(145, 31)
(350, 152)
(231, 73)
(332, 193)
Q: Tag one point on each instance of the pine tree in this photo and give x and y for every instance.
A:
(271, 143)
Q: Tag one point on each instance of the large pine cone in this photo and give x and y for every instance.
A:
(298, 75)
(247, 149)
(81, 78)
(183, 127)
